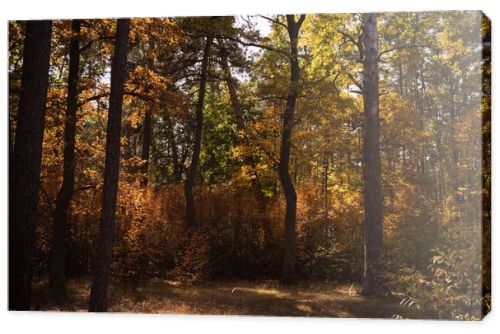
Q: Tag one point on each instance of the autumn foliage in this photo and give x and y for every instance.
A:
(434, 135)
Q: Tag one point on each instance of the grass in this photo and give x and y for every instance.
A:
(230, 298)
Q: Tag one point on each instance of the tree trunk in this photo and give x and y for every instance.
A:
(193, 168)
(249, 160)
(98, 294)
(25, 162)
(57, 279)
(147, 128)
(146, 144)
(177, 169)
(286, 144)
(231, 86)
(371, 159)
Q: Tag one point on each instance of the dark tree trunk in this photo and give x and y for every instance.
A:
(25, 162)
(240, 124)
(147, 129)
(57, 279)
(146, 144)
(193, 168)
(371, 159)
(98, 294)
(286, 144)
(231, 86)
(177, 169)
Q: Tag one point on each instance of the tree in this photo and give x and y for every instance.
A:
(146, 144)
(193, 168)
(98, 294)
(371, 158)
(231, 86)
(486, 151)
(57, 280)
(25, 161)
(293, 28)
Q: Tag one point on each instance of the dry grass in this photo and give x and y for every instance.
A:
(230, 298)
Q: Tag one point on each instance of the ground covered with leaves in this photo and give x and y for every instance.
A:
(232, 298)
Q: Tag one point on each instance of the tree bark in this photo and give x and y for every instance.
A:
(146, 144)
(231, 86)
(25, 162)
(147, 128)
(98, 294)
(371, 159)
(288, 275)
(57, 279)
(191, 221)
(177, 168)
(249, 160)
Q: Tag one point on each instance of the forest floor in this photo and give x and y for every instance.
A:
(231, 298)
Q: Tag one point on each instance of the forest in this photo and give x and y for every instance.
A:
(290, 165)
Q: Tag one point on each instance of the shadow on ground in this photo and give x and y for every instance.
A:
(230, 298)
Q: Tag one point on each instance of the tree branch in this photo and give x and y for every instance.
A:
(100, 96)
(399, 48)
(77, 190)
(301, 20)
(89, 44)
(274, 21)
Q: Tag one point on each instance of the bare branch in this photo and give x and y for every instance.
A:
(47, 197)
(89, 44)
(103, 95)
(399, 48)
(242, 42)
(355, 81)
(274, 21)
(349, 37)
(257, 45)
(82, 188)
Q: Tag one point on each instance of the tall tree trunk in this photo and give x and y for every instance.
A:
(240, 124)
(288, 275)
(193, 168)
(146, 144)
(486, 158)
(231, 86)
(25, 162)
(57, 280)
(147, 127)
(177, 169)
(371, 159)
(98, 294)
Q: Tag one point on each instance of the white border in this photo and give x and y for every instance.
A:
(11, 322)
